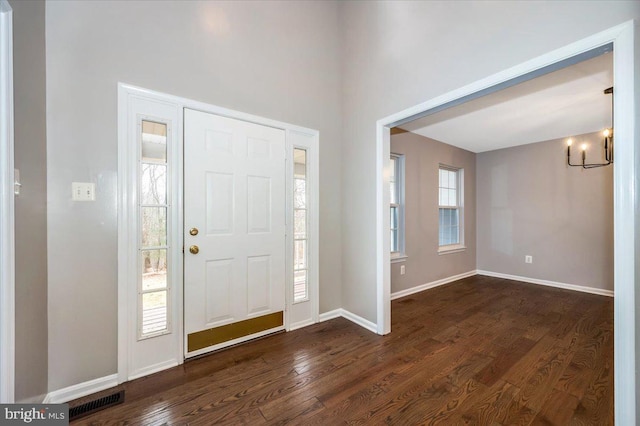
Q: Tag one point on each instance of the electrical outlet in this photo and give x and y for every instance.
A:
(401, 269)
(83, 191)
(528, 259)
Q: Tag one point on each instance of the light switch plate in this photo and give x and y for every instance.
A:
(83, 191)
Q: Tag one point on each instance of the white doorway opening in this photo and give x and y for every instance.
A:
(622, 39)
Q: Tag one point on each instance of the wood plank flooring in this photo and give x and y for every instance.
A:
(482, 351)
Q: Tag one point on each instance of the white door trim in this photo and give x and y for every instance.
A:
(297, 318)
(128, 227)
(7, 252)
(126, 207)
(623, 37)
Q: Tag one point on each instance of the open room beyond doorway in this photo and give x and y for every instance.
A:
(506, 202)
(621, 39)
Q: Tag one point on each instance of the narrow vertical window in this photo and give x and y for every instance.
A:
(450, 208)
(153, 286)
(396, 197)
(300, 221)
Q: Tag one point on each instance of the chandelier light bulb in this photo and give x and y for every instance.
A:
(606, 133)
(569, 142)
(584, 147)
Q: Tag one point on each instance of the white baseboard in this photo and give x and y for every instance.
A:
(326, 316)
(371, 326)
(153, 369)
(301, 324)
(365, 323)
(81, 389)
(565, 286)
(427, 286)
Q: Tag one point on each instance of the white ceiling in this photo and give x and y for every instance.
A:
(563, 103)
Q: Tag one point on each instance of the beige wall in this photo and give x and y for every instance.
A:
(531, 203)
(279, 60)
(422, 159)
(31, 204)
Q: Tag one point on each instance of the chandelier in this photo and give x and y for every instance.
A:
(607, 145)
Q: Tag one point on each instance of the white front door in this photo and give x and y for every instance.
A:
(234, 236)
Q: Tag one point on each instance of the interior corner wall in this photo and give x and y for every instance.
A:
(403, 53)
(531, 203)
(31, 205)
(279, 60)
(422, 157)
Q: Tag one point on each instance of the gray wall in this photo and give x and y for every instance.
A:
(422, 159)
(274, 59)
(30, 205)
(404, 53)
(531, 203)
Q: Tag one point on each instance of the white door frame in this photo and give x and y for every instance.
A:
(300, 314)
(7, 251)
(623, 37)
(127, 244)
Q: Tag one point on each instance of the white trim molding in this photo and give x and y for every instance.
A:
(137, 357)
(362, 322)
(304, 312)
(329, 315)
(623, 39)
(565, 286)
(301, 324)
(153, 369)
(81, 389)
(432, 284)
(7, 229)
(356, 319)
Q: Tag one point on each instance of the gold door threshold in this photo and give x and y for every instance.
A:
(213, 336)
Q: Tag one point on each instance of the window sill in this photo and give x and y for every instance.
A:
(398, 257)
(456, 248)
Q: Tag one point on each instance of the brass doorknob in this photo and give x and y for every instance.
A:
(194, 249)
(193, 231)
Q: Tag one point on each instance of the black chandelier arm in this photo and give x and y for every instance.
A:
(608, 144)
(586, 165)
(594, 165)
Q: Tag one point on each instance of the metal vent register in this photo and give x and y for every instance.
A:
(96, 405)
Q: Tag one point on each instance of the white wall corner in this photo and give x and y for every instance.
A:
(81, 389)
(7, 222)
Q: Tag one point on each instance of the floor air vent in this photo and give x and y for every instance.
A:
(96, 405)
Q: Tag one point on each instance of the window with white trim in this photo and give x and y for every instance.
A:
(300, 228)
(450, 216)
(396, 186)
(153, 199)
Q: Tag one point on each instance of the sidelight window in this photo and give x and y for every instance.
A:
(300, 227)
(153, 285)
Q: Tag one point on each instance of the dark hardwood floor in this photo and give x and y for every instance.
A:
(482, 351)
